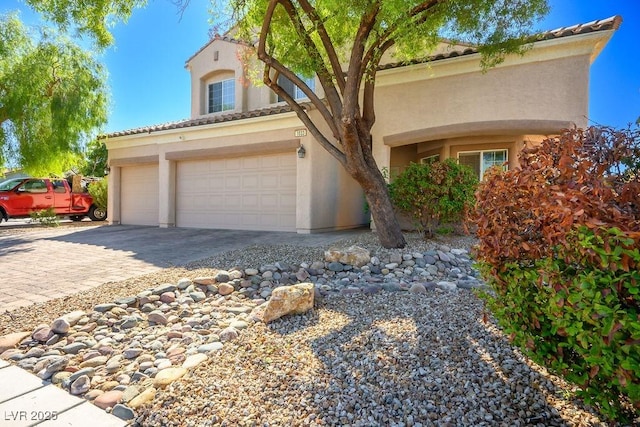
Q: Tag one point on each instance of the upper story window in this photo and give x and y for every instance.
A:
(293, 90)
(222, 96)
(481, 161)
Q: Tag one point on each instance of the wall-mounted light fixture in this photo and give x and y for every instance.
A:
(301, 151)
(107, 169)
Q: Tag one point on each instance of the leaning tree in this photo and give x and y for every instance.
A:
(343, 44)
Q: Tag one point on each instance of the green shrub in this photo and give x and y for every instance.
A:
(560, 248)
(99, 192)
(46, 217)
(434, 193)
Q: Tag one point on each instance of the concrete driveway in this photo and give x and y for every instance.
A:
(38, 264)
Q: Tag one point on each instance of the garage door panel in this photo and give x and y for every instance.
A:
(252, 193)
(139, 195)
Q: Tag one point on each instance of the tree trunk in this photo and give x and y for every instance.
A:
(384, 217)
(377, 194)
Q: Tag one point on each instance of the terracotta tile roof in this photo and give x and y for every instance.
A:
(209, 120)
(611, 23)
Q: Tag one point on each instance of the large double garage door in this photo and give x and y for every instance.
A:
(243, 193)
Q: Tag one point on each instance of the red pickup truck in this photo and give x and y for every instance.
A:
(21, 196)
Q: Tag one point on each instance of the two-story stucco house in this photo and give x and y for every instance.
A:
(245, 161)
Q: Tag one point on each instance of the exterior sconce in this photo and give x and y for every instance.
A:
(107, 169)
(301, 152)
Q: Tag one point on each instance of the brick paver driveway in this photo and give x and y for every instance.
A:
(38, 264)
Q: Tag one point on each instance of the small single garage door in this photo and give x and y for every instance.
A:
(139, 195)
(243, 193)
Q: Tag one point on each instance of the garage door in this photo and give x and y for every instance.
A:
(245, 193)
(139, 195)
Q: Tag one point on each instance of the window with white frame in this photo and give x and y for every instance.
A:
(481, 161)
(222, 96)
(293, 90)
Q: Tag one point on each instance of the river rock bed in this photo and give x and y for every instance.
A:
(398, 340)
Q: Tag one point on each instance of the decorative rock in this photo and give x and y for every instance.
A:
(80, 386)
(128, 301)
(166, 287)
(108, 399)
(12, 340)
(228, 334)
(88, 372)
(239, 324)
(146, 396)
(198, 296)
(132, 353)
(74, 347)
(157, 317)
(335, 266)
(129, 393)
(123, 412)
(222, 276)
(60, 377)
(446, 286)
(194, 360)
(210, 348)
(103, 308)
(225, 289)
(167, 376)
(42, 334)
(417, 288)
(168, 297)
(60, 326)
(295, 299)
(129, 322)
(94, 362)
(354, 255)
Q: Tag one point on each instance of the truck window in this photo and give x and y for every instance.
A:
(10, 184)
(58, 186)
(34, 186)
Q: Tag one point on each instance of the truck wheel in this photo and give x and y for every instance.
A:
(97, 214)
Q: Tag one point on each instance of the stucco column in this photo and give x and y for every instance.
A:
(304, 186)
(113, 196)
(167, 195)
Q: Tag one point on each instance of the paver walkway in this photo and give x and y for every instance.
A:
(45, 263)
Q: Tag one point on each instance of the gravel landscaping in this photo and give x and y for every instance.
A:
(399, 341)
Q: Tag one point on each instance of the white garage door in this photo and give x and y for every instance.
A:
(139, 195)
(245, 193)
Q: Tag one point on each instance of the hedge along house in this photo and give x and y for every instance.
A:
(245, 161)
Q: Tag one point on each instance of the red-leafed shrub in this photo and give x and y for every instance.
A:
(560, 247)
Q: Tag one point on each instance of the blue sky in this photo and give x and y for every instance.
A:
(149, 84)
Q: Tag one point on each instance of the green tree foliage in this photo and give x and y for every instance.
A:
(99, 191)
(90, 17)
(560, 246)
(434, 193)
(53, 96)
(95, 159)
(343, 43)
